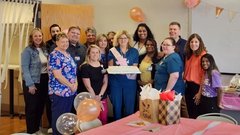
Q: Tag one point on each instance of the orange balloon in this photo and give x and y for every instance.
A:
(136, 14)
(88, 110)
(192, 3)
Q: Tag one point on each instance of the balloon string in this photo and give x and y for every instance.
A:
(78, 126)
(102, 107)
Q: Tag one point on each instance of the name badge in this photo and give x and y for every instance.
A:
(149, 68)
(77, 58)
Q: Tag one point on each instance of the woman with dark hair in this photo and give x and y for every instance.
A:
(35, 79)
(140, 36)
(147, 63)
(193, 73)
(169, 70)
(211, 90)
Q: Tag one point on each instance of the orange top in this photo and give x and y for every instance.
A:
(193, 71)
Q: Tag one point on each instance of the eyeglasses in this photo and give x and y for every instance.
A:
(123, 38)
(166, 45)
(75, 33)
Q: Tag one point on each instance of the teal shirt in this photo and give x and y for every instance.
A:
(172, 63)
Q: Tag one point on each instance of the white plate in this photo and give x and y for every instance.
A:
(138, 123)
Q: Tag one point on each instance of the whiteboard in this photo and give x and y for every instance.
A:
(220, 35)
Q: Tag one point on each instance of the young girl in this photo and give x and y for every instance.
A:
(193, 72)
(211, 86)
(95, 79)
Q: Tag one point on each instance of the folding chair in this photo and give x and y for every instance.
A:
(218, 117)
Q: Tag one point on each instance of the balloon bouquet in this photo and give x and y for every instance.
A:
(88, 110)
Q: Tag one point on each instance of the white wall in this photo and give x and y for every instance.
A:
(226, 79)
(220, 35)
(114, 15)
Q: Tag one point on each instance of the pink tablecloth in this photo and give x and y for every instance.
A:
(231, 101)
(185, 127)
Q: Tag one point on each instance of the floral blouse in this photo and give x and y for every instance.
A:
(58, 61)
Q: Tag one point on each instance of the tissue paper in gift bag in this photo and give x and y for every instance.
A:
(148, 109)
(149, 101)
(169, 111)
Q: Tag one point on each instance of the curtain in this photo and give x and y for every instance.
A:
(16, 17)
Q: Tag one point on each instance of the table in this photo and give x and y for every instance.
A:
(230, 102)
(11, 69)
(185, 127)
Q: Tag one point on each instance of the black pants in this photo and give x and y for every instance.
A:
(209, 105)
(184, 111)
(137, 100)
(191, 90)
(34, 104)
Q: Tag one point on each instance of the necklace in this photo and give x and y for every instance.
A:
(140, 46)
(123, 52)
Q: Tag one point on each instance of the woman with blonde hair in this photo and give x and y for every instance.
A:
(35, 79)
(122, 87)
(95, 79)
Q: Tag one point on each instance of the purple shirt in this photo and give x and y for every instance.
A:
(210, 90)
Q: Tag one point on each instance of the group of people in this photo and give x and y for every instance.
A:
(53, 73)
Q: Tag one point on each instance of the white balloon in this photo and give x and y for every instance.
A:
(66, 123)
(84, 126)
(80, 97)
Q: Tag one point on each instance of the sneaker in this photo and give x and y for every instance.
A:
(39, 132)
(49, 131)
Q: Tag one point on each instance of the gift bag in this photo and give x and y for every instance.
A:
(169, 111)
(148, 104)
(148, 109)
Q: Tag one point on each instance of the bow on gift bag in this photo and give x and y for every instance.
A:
(169, 107)
(167, 95)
